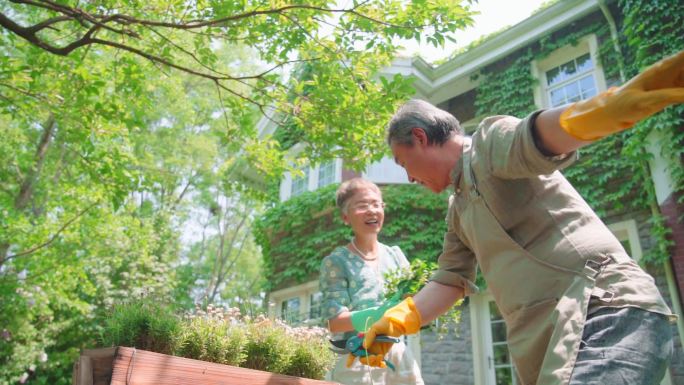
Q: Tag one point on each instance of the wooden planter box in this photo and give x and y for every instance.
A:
(130, 366)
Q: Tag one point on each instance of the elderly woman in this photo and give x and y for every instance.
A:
(351, 280)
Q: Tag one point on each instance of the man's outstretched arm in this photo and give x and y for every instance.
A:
(564, 129)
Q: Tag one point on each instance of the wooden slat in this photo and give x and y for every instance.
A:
(94, 367)
(140, 367)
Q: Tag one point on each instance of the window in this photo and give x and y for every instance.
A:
(627, 233)
(492, 361)
(571, 81)
(298, 305)
(326, 174)
(569, 74)
(300, 183)
(499, 358)
(289, 310)
(315, 305)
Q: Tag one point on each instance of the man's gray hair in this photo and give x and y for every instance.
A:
(438, 124)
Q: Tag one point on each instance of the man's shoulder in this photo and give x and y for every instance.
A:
(497, 122)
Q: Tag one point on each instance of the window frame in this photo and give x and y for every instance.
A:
(628, 230)
(483, 354)
(305, 179)
(587, 44)
(304, 293)
(333, 173)
(286, 184)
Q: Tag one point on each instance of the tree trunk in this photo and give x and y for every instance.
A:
(27, 186)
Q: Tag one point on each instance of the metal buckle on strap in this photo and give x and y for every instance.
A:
(595, 266)
(603, 295)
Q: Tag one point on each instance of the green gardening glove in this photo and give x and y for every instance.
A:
(362, 320)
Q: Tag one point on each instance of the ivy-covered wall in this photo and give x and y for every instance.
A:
(297, 234)
(612, 174)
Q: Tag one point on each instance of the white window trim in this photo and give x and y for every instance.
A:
(303, 292)
(588, 44)
(628, 230)
(307, 170)
(482, 338)
(312, 184)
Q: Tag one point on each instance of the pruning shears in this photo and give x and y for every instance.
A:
(354, 346)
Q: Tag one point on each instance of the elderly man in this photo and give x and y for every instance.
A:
(578, 310)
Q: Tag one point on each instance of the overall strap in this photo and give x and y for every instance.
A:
(469, 178)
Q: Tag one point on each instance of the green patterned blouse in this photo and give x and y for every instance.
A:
(348, 283)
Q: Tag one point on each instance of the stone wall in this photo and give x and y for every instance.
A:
(448, 359)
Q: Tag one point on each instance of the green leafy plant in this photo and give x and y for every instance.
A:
(142, 324)
(408, 281)
(209, 339)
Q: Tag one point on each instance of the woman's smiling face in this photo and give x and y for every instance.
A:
(365, 212)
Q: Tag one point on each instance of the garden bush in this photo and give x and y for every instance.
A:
(220, 335)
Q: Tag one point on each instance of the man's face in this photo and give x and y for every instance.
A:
(422, 163)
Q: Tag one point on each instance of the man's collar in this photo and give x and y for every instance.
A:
(457, 171)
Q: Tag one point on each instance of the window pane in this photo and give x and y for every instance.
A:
(494, 313)
(504, 376)
(587, 86)
(572, 92)
(557, 97)
(498, 357)
(501, 355)
(300, 184)
(628, 246)
(315, 311)
(584, 63)
(553, 76)
(290, 310)
(567, 69)
(498, 331)
(326, 174)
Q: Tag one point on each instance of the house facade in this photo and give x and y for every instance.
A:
(571, 50)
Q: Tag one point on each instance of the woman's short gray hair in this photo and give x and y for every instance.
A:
(350, 187)
(438, 124)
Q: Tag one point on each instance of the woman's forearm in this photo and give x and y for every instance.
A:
(341, 323)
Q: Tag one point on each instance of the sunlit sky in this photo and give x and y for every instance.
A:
(494, 15)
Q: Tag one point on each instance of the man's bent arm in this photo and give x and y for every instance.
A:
(435, 299)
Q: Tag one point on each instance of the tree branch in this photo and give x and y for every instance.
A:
(32, 38)
(47, 23)
(53, 237)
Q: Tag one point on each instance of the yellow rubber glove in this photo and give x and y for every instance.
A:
(375, 358)
(619, 108)
(397, 321)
